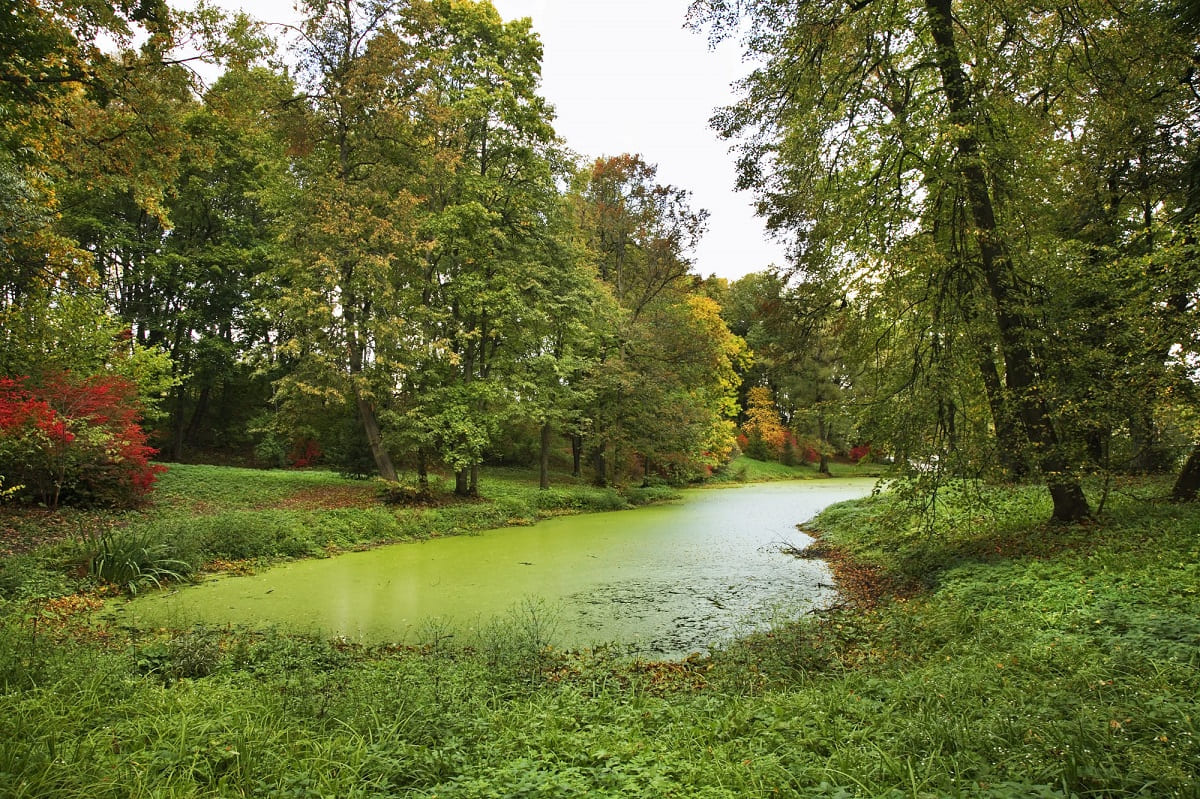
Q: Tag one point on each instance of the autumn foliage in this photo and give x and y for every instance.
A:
(764, 433)
(860, 452)
(75, 441)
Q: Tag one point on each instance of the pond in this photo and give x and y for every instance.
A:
(661, 581)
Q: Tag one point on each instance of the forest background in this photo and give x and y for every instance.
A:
(368, 249)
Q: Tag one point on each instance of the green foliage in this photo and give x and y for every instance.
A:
(29, 576)
(1011, 300)
(77, 333)
(271, 450)
(136, 559)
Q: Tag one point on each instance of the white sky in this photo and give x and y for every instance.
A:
(625, 76)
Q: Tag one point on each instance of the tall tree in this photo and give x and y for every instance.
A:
(350, 217)
(659, 396)
(1186, 18)
(640, 230)
(485, 203)
(572, 312)
(69, 109)
(894, 137)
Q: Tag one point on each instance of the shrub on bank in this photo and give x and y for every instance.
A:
(74, 441)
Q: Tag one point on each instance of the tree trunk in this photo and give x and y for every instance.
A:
(576, 455)
(422, 468)
(1187, 486)
(544, 458)
(198, 413)
(366, 411)
(1009, 447)
(1097, 442)
(1149, 455)
(383, 459)
(822, 433)
(177, 428)
(1014, 326)
(599, 466)
(474, 487)
(462, 483)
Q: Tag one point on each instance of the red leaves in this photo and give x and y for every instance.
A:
(19, 408)
(305, 452)
(859, 452)
(75, 440)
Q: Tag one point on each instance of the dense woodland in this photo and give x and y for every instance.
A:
(363, 245)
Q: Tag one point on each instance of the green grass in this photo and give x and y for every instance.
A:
(231, 488)
(1024, 660)
(743, 469)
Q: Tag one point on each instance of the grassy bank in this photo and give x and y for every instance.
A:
(217, 517)
(987, 655)
(748, 470)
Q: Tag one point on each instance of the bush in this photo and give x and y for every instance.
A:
(75, 441)
(860, 452)
(409, 491)
(305, 452)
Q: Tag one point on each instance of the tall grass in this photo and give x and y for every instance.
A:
(136, 559)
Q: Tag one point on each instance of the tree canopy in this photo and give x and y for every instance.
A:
(366, 245)
(1000, 190)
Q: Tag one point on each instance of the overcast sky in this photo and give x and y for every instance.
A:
(625, 76)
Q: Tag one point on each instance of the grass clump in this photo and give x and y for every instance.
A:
(134, 559)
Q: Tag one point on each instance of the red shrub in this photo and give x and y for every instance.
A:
(858, 453)
(306, 452)
(76, 441)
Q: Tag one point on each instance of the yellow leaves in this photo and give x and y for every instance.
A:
(62, 607)
(763, 421)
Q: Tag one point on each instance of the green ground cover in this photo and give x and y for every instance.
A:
(983, 655)
(748, 470)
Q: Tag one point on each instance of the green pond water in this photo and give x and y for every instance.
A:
(661, 581)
